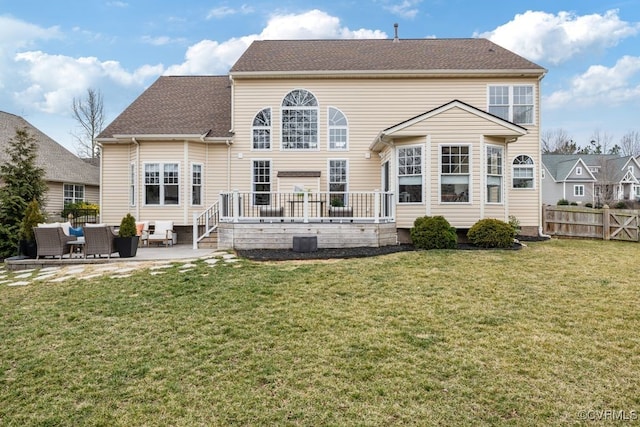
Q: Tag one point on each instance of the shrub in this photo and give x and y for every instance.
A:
(620, 205)
(491, 233)
(515, 224)
(574, 203)
(563, 202)
(588, 205)
(32, 217)
(127, 226)
(433, 232)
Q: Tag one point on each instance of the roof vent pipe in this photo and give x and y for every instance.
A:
(395, 29)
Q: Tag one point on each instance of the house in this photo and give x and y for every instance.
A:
(345, 140)
(590, 178)
(69, 179)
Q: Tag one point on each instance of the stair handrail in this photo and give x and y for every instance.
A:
(207, 220)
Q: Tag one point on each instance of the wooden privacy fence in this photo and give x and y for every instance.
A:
(605, 223)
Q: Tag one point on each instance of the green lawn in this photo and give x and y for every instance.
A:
(530, 337)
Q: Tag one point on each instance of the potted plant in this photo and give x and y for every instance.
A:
(127, 240)
(32, 217)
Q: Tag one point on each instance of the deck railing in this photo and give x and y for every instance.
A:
(255, 207)
(307, 206)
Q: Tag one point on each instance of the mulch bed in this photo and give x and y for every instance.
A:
(338, 253)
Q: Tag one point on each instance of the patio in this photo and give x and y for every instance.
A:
(153, 253)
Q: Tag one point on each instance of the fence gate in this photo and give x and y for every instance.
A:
(623, 226)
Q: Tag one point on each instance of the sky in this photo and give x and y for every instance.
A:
(52, 52)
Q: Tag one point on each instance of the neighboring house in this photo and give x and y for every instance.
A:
(69, 179)
(590, 178)
(385, 130)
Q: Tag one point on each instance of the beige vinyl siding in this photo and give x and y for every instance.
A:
(115, 188)
(371, 105)
(54, 200)
(212, 156)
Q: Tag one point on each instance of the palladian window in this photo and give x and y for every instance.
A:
(299, 121)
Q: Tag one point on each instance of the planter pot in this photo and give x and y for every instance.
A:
(127, 246)
(28, 248)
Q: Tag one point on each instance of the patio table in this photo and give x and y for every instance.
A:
(76, 246)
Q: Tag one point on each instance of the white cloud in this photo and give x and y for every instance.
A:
(541, 36)
(406, 9)
(56, 79)
(211, 57)
(224, 11)
(601, 85)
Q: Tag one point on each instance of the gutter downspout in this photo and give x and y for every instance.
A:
(228, 165)
(136, 177)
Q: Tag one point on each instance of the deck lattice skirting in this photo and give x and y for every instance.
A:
(330, 235)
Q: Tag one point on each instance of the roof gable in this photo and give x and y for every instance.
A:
(380, 55)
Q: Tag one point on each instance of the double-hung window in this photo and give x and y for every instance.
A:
(410, 174)
(454, 173)
(494, 174)
(261, 177)
(161, 184)
(299, 121)
(338, 129)
(523, 172)
(338, 182)
(512, 103)
(262, 130)
(578, 190)
(73, 193)
(196, 184)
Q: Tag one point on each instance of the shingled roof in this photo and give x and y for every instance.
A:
(382, 55)
(178, 105)
(60, 164)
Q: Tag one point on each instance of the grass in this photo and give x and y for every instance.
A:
(529, 337)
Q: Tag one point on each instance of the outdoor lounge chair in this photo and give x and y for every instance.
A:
(99, 239)
(51, 241)
(162, 233)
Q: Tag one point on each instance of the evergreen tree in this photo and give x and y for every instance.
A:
(23, 182)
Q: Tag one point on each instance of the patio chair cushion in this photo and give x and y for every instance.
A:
(163, 232)
(76, 231)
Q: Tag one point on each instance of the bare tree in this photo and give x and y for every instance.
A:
(89, 113)
(630, 143)
(557, 141)
(601, 143)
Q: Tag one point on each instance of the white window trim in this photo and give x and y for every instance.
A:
(192, 184)
(511, 104)
(533, 167)
(577, 187)
(470, 174)
(270, 128)
(84, 192)
(253, 183)
(346, 183)
(486, 175)
(329, 127)
(282, 108)
(161, 164)
(422, 168)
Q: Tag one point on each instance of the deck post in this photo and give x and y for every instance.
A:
(376, 206)
(305, 207)
(236, 205)
(195, 231)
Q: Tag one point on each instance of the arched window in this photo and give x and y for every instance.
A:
(262, 130)
(523, 172)
(338, 129)
(299, 121)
